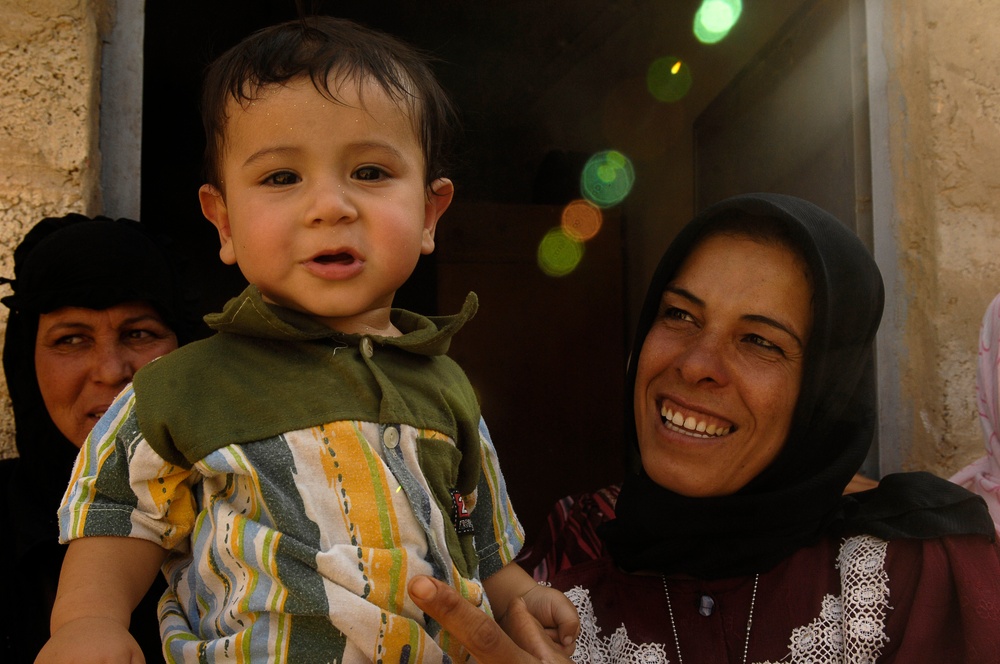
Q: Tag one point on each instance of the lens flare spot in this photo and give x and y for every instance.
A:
(558, 253)
(581, 220)
(715, 18)
(668, 79)
(607, 178)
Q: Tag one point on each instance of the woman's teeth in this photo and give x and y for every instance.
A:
(691, 425)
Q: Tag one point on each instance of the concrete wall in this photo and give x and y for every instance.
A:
(49, 107)
(943, 104)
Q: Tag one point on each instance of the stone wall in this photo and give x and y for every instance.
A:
(49, 109)
(944, 116)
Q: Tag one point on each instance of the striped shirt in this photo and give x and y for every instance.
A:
(298, 545)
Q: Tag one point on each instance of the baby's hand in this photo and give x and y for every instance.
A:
(556, 614)
(91, 640)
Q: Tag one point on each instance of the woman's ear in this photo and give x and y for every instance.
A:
(213, 206)
(439, 196)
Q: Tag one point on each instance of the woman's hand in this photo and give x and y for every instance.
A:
(479, 633)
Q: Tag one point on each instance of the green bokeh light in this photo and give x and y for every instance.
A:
(558, 253)
(715, 18)
(607, 178)
(668, 79)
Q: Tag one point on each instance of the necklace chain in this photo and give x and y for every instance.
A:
(673, 625)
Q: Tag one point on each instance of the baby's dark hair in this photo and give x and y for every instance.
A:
(318, 47)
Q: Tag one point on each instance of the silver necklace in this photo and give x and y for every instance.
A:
(673, 625)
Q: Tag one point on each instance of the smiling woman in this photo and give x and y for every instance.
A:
(93, 300)
(721, 366)
(754, 405)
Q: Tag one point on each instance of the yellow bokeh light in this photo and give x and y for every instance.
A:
(558, 253)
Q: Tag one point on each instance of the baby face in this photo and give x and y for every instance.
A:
(324, 205)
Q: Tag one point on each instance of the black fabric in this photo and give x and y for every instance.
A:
(65, 261)
(798, 498)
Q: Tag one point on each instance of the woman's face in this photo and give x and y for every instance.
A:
(85, 357)
(720, 370)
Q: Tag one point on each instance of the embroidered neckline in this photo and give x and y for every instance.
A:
(850, 627)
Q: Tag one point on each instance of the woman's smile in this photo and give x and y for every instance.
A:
(692, 423)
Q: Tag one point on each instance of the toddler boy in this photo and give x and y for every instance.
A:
(294, 471)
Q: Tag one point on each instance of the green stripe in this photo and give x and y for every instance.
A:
(382, 501)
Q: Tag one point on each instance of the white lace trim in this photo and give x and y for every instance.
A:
(592, 648)
(849, 629)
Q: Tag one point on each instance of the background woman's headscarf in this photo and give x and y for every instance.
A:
(799, 496)
(982, 476)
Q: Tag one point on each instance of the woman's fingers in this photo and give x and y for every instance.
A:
(479, 633)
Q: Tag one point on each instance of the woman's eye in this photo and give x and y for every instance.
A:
(369, 174)
(139, 334)
(282, 179)
(673, 313)
(763, 343)
(144, 335)
(70, 340)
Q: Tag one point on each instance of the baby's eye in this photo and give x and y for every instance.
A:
(282, 179)
(369, 173)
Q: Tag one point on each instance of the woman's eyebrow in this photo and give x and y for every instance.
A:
(766, 320)
(142, 318)
(69, 325)
(755, 318)
(686, 294)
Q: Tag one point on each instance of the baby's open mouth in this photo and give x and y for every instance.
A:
(693, 425)
(342, 258)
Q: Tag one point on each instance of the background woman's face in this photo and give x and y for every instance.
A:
(720, 370)
(85, 357)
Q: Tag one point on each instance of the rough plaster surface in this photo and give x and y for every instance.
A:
(945, 114)
(49, 108)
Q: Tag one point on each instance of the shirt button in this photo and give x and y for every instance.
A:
(366, 347)
(390, 437)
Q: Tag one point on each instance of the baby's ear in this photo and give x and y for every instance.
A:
(439, 195)
(213, 206)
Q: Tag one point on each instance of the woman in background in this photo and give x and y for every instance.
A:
(93, 301)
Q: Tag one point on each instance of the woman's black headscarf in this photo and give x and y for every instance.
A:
(66, 261)
(798, 497)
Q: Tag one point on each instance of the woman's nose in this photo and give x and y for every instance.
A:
(112, 364)
(704, 361)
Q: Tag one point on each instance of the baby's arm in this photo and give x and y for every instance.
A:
(549, 607)
(102, 580)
